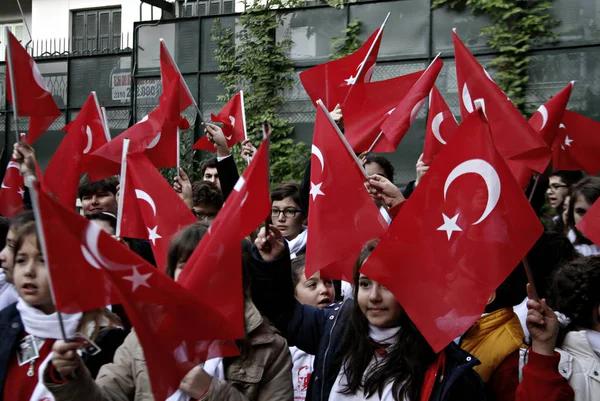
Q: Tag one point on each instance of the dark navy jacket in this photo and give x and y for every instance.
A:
(319, 332)
(11, 331)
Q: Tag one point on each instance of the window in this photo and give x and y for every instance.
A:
(199, 8)
(16, 28)
(96, 31)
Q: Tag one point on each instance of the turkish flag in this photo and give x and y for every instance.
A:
(331, 81)
(176, 96)
(33, 98)
(85, 134)
(12, 190)
(368, 107)
(404, 114)
(152, 210)
(463, 231)
(234, 124)
(216, 264)
(548, 116)
(577, 144)
(589, 225)
(513, 136)
(175, 329)
(342, 215)
(143, 136)
(441, 125)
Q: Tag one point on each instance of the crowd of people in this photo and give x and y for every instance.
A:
(309, 338)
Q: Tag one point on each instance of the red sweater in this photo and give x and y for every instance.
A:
(542, 382)
(18, 386)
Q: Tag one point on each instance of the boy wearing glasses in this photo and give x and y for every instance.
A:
(560, 182)
(288, 216)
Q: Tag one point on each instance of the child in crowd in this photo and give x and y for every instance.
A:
(261, 372)
(30, 327)
(308, 291)
(560, 182)
(365, 348)
(575, 292)
(289, 217)
(8, 294)
(583, 195)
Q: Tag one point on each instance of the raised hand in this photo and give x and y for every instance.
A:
(421, 169)
(183, 186)
(65, 358)
(216, 136)
(542, 325)
(383, 190)
(270, 245)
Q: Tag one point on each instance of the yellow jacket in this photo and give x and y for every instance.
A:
(492, 338)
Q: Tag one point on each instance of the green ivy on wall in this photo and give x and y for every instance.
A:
(253, 60)
(342, 46)
(517, 25)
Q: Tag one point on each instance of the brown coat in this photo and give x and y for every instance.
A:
(265, 373)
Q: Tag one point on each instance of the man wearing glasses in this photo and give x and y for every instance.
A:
(560, 182)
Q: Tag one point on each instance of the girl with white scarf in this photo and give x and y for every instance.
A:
(30, 327)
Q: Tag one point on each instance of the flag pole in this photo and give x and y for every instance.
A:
(178, 151)
(381, 133)
(102, 114)
(362, 65)
(122, 184)
(343, 138)
(244, 122)
(13, 91)
(30, 182)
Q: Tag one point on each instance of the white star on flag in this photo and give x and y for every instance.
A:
(568, 141)
(153, 234)
(315, 190)
(21, 192)
(449, 225)
(351, 80)
(138, 279)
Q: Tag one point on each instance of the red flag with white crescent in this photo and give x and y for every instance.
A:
(441, 125)
(463, 231)
(577, 144)
(12, 190)
(234, 124)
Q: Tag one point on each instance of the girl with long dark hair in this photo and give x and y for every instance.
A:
(365, 348)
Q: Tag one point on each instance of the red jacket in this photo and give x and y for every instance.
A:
(542, 381)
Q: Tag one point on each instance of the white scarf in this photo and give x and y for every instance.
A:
(297, 244)
(380, 336)
(8, 294)
(594, 339)
(43, 326)
(214, 367)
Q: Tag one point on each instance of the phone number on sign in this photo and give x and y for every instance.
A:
(144, 91)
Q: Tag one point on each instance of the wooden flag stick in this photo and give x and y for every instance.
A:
(122, 183)
(248, 159)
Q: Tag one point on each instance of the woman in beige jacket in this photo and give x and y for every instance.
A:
(262, 372)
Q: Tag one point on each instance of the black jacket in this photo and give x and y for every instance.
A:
(319, 332)
(11, 331)
(228, 175)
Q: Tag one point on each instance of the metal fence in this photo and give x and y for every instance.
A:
(413, 36)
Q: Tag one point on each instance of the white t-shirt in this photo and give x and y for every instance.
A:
(302, 368)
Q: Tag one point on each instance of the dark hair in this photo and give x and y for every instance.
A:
(406, 363)
(4, 225)
(287, 190)
(87, 188)
(110, 218)
(574, 290)
(552, 250)
(383, 162)
(208, 163)
(183, 245)
(298, 267)
(589, 189)
(206, 193)
(21, 219)
(568, 177)
(25, 231)
(511, 292)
